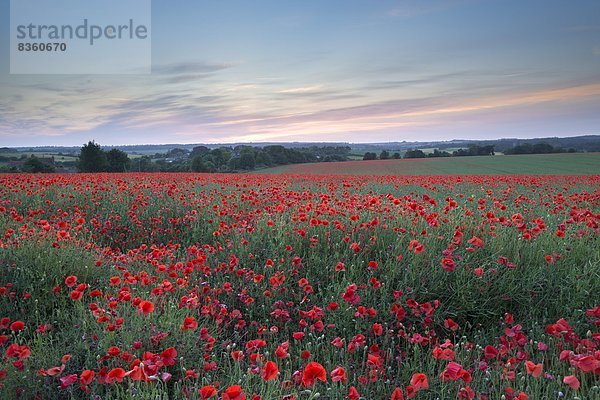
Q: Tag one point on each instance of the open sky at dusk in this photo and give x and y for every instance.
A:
(336, 70)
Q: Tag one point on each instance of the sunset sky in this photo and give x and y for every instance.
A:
(335, 70)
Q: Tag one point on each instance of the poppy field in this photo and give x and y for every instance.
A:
(233, 287)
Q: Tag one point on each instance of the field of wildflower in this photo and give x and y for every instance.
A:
(233, 287)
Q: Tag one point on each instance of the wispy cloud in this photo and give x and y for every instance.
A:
(189, 67)
(399, 114)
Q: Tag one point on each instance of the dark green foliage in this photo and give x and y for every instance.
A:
(118, 161)
(198, 165)
(35, 165)
(415, 154)
(92, 158)
(537, 148)
(475, 150)
(247, 160)
(370, 156)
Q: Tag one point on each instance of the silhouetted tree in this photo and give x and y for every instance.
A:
(247, 160)
(117, 160)
(35, 165)
(415, 154)
(199, 165)
(370, 156)
(92, 158)
(199, 151)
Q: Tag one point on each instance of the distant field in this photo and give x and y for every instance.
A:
(43, 154)
(547, 164)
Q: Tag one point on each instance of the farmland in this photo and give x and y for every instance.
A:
(209, 286)
(561, 164)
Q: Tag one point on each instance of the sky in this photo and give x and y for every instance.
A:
(327, 71)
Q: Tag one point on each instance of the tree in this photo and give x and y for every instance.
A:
(35, 165)
(370, 156)
(177, 153)
(384, 155)
(277, 153)
(118, 161)
(415, 154)
(262, 157)
(220, 157)
(396, 156)
(199, 151)
(247, 160)
(144, 164)
(92, 158)
(438, 153)
(198, 165)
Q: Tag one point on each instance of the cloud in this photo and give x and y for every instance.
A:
(189, 68)
(396, 114)
(188, 71)
(316, 93)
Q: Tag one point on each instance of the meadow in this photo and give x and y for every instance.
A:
(544, 164)
(233, 287)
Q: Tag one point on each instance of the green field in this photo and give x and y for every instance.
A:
(42, 154)
(544, 164)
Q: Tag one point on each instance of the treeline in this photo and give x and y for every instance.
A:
(473, 150)
(247, 158)
(538, 148)
(31, 164)
(384, 155)
(93, 158)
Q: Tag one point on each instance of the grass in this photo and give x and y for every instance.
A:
(546, 164)
(214, 247)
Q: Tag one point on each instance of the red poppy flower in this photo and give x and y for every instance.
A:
(572, 381)
(17, 326)
(377, 329)
(237, 355)
(281, 352)
(313, 371)
(419, 381)
(86, 378)
(448, 264)
(145, 307)
(234, 392)
(207, 392)
(353, 393)
(76, 295)
(270, 371)
(70, 281)
(116, 375)
(67, 381)
(338, 375)
(533, 369)
(189, 323)
(397, 394)
(450, 324)
(373, 265)
(168, 356)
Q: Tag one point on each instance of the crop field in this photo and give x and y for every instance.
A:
(248, 287)
(560, 164)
